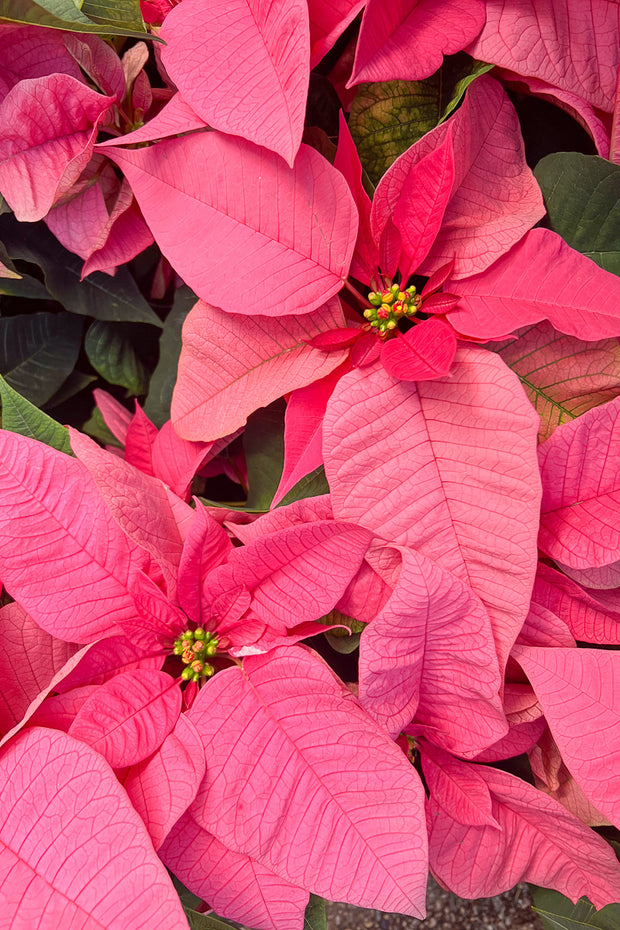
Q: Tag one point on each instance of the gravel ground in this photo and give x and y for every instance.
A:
(510, 911)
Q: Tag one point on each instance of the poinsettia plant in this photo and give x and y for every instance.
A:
(335, 603)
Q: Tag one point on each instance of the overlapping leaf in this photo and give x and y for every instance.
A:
(284, 235)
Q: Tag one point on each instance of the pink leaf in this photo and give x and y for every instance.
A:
(538, 840)
(259, 94)
(48, 127)
(99, 62)
(543, 628)
(67, 816)
(581, 490)
(139, 441)
(407, 39)
(563, 376)
(174, 118)
(366, 255)
(458, 482)
(129, 716)
(237, 887)
(567, 43)
(541, 278)
(231, 365)
(33, 52)
(164, 785)
(137, 502)
(424, 352)
(303, 432)
(107, 658)
(328, 20)
(129, 235)
(430, 655)
(206, 546)
(116, 417)
(486, 200)
(344, 819)
(294, 575)
(79, 587)
(588, 618)
(578, 690)
(29, 659)
(176, 461)
(285, 234)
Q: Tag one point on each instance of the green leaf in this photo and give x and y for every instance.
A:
(112, 355)
(312, 485)
(388, 117)
(38, 351)
(76, 382)
(109, 17)
(263, 443)
(157, 405)
(20, 416)
(314, 918)
(343, 641)
(198, 921)
(558, 913)
(99, 295)
(582, 196)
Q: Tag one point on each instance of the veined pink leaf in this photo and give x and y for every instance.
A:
(294, 575)
(519, 739)
(173, 119)
(306, 510)
(567, 43)
(139, 441)
(365, 259)
(58, 711)
(230, 365)
(33, 52)
(303, 432)
(581, 490)
(589, 619)
(29, 659)
(176, 461)
(66, 816)
(407, 39)
(344, 821)
(430, 656)
(424, 352)
(100, 62)
(458, 482)
(129, 716)
(563, 376)
(243, 66)
(538, 840)
(543, 628)
(602, 579)
(541, 278)
(107, 658)
(488, 197)
(285, 235)
(73, 568)
(580, 697)
(138, 503)
(128, 236)
(206, 546)
(236, 886)
(163, 786)
(48, 127)
(116, 417)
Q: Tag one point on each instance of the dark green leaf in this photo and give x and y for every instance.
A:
(388, 117)
(558, 913)
(112, 355)
(344, 641)
(20, 416)
(75, 383)
(157, 405)
(314, 918)
(99, 295)
(38, 351)
(263, 442)
(312, 485)
(582, 196)
(116, 17)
